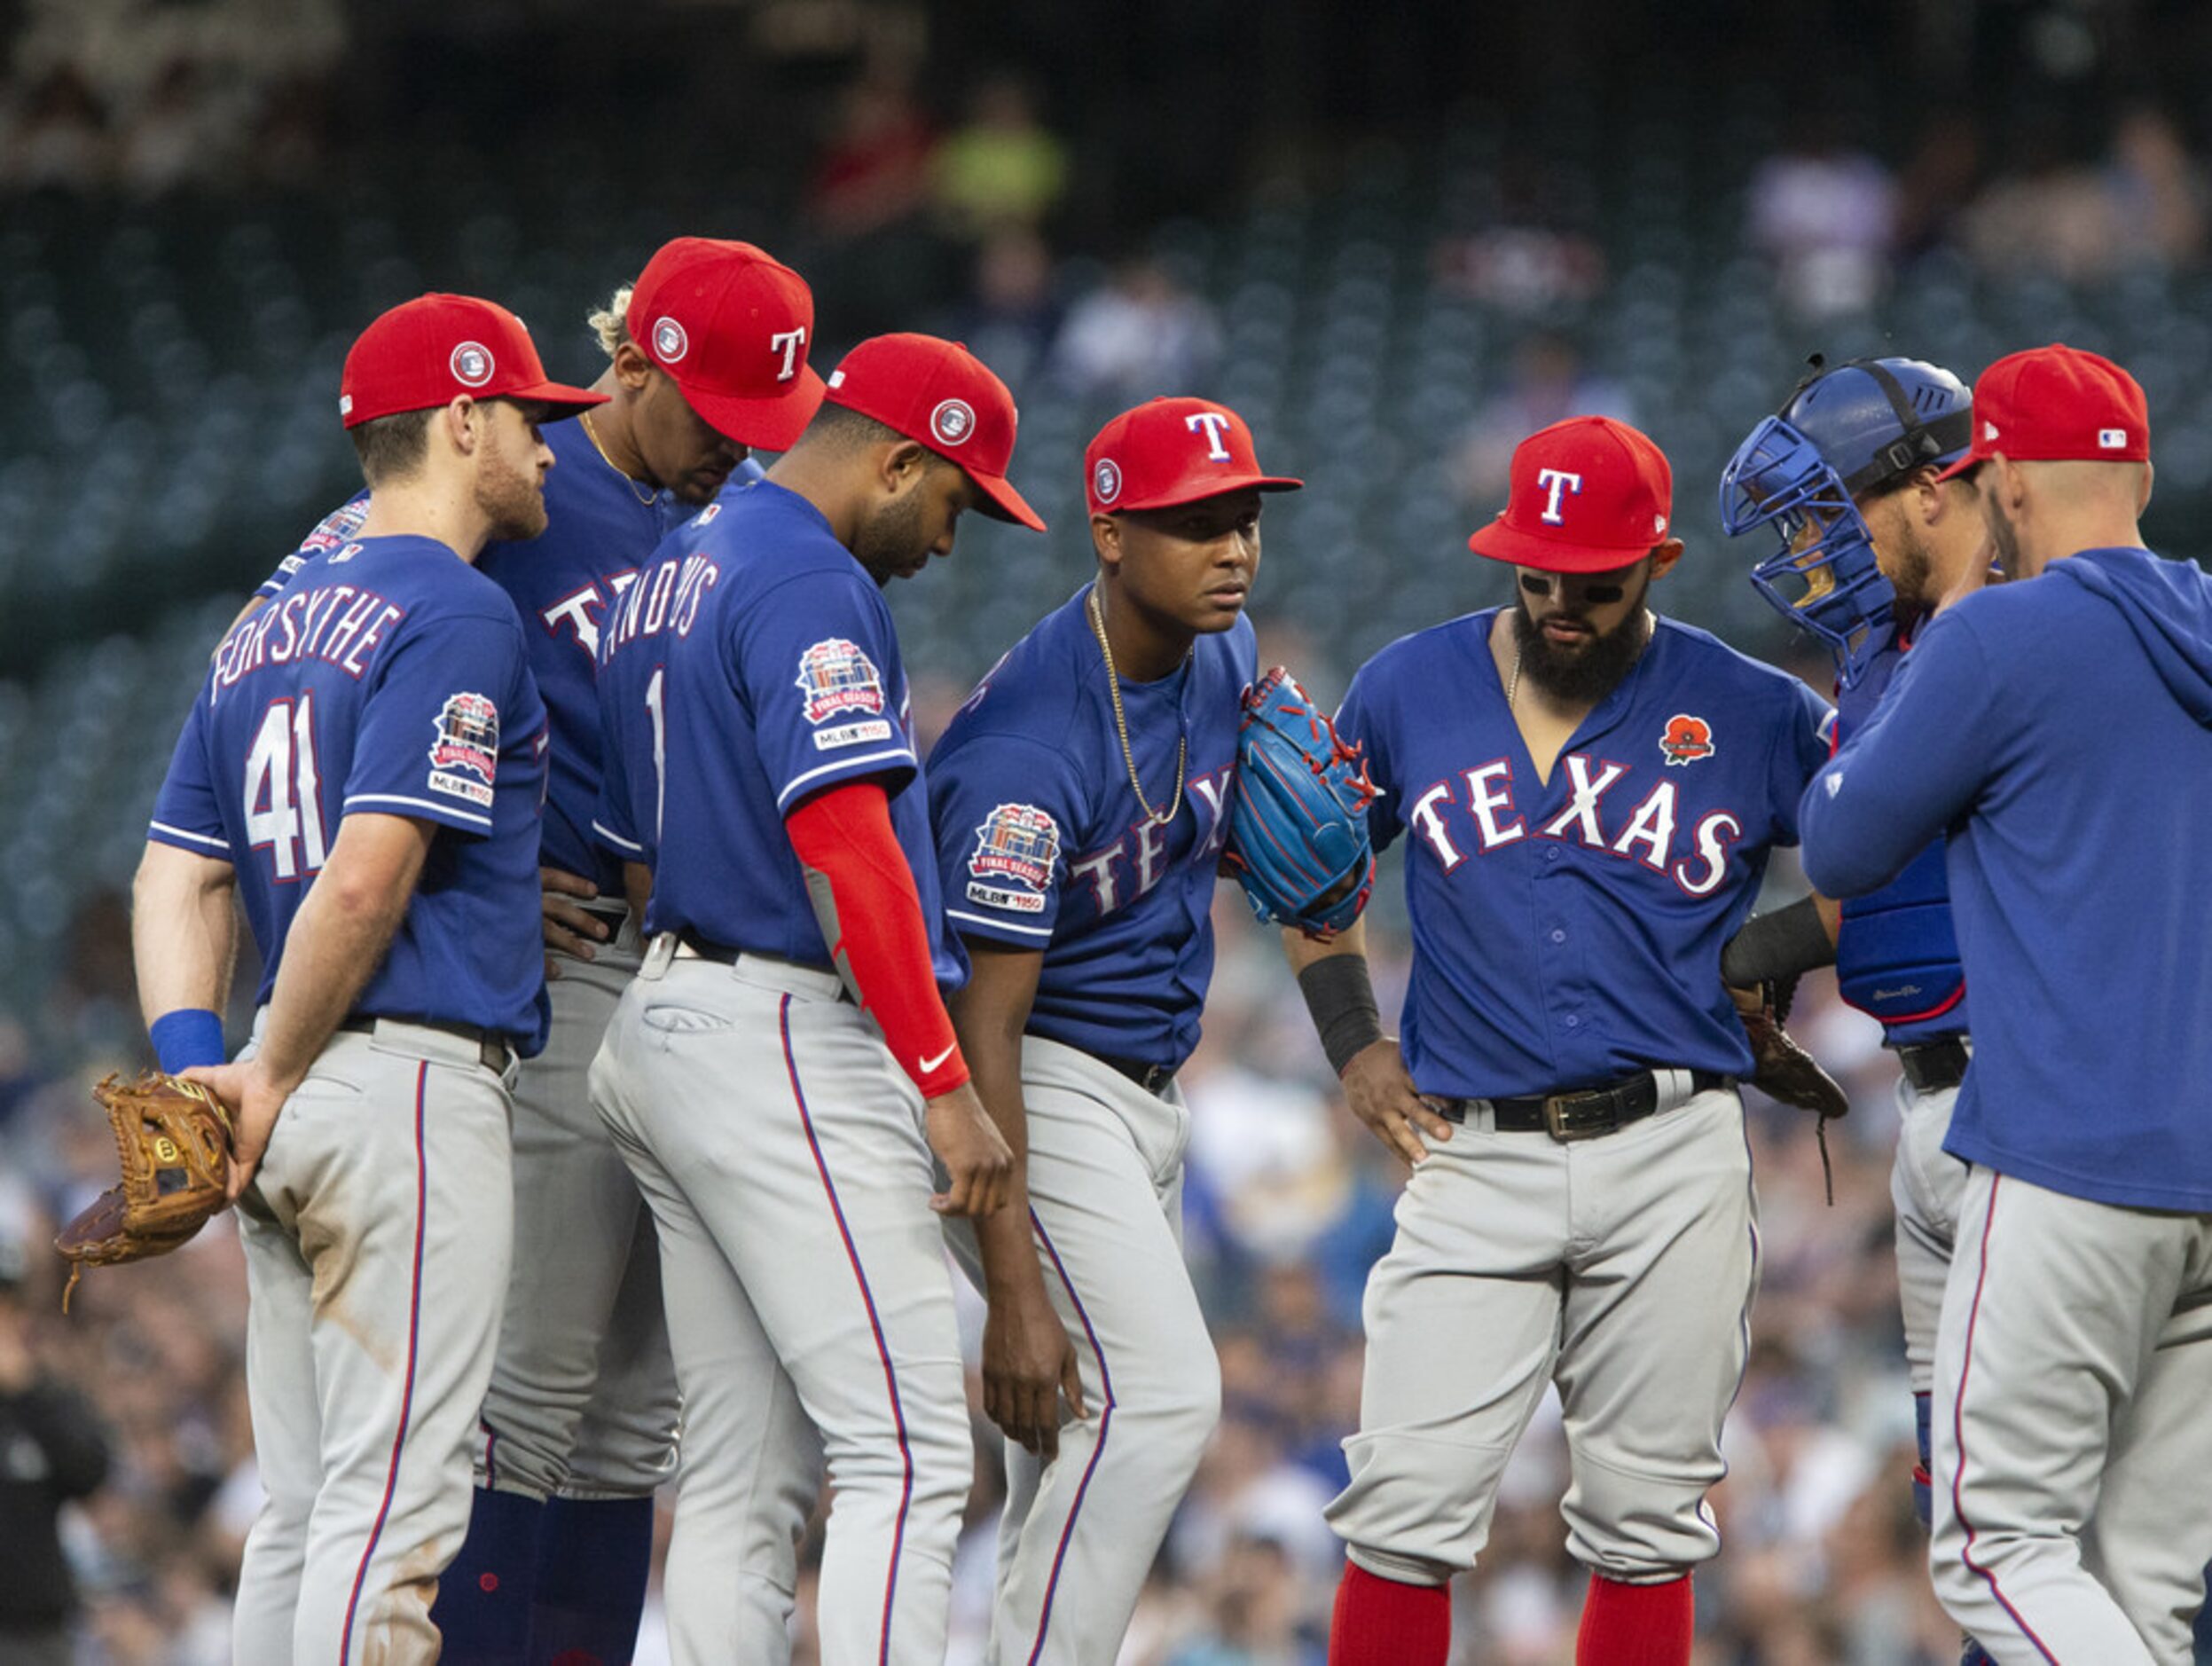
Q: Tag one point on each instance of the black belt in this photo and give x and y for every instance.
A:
(723, 955)
(1931, 1066)
(1575, 1113)
(1147, 1076)
(614, 912)
(492, 1050)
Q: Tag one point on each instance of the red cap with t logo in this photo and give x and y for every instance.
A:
(1587, 495)
(731, 326)
(432, 349)
(2054, 404)
(1168, 452)
(938, 394)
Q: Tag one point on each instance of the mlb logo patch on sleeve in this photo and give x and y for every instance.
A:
(835, 676)
(465, 757)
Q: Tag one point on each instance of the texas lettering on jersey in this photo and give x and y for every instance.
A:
(1118, 874)
(1475, 810)
(578, 615)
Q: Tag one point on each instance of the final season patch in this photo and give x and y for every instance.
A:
(467, 744)
(1018, 842)
(1687, 740)
(835, 676)
(332, 530)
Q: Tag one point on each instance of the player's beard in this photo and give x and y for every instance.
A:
(890, 543)
(1594, 672)
(1913, 578)
(513, 500)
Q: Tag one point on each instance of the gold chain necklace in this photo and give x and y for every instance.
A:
(592, 434)
(1513, 688)
(1152, 818)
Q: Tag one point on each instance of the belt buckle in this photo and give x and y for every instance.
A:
(1558, 1107)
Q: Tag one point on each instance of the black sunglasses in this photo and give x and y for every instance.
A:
(1546, 583)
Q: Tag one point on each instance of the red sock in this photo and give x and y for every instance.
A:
(1635, 1625)
(1381, 1622)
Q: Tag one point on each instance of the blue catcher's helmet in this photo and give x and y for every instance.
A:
(1845, 432)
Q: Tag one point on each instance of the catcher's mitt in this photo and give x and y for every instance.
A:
(174, 1139)
(1299, 840)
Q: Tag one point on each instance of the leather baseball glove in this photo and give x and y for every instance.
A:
(1781, 1069)
(174, 1139)
(1299, 841)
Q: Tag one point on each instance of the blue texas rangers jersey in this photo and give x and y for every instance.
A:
(391, 678)
(598, 534)
(752, 666)
(2061, 729)
(1041, 845)
(1897, 955)
(1567, 932)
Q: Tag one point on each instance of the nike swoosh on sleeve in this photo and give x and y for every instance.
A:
(929, 1065)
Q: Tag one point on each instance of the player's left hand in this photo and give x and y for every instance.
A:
(254, 1102)
(974, 1152)
(1383, 1095)
(568, 928)
(1028, 1363)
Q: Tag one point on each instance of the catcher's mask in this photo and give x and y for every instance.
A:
(1843, 433)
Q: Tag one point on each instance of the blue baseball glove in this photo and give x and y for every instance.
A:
(1298, 839)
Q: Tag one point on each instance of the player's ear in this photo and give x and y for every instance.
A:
(463, 420)
(900, 464)
(632, 368)
(1664, 556)
(1106, 539)
(2143, 490)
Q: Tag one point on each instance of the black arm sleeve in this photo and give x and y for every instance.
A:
(1781, 944)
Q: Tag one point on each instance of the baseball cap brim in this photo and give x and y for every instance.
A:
(1503, 543)
(1001, 501)
(1972, 460)
(1199, 490)
(771, 424)
(559, 398)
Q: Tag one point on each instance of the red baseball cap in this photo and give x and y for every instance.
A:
(731, 326)
(1167, 452)
(432, 349)
(2057, 403)
(1587, 495)
(939, 395)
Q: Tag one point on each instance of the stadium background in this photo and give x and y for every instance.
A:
(1395, 238)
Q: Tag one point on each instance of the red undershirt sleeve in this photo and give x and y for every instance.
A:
(871, 915)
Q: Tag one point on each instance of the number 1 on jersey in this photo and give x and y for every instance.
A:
(656, 696)
(284, 806)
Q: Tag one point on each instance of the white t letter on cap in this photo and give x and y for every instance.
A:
(1213, 422)
(1558, 480)
(788, 341)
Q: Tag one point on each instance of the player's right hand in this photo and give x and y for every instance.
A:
(1383, 1095)
(568, 928)
(254, 1103)
(1028, 1363)
(974, 1152)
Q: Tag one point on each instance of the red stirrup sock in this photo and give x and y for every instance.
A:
(1381, 1622)
(1635, 1625)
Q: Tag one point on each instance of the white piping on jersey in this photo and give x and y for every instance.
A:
(1002, 925)
(613, 837)
(185, 833)
(421, 804)
(896, 755)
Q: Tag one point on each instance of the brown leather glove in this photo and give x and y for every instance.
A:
(1780, 1068)
(173, 1138)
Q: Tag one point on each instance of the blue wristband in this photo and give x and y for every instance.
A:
(189, 1036)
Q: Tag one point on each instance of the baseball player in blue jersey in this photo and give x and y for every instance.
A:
(2060, 730)
(1080, 801)
(1871, 545)
(782, 1075)
(363, 770)
(707, 357)
(1587, 794)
